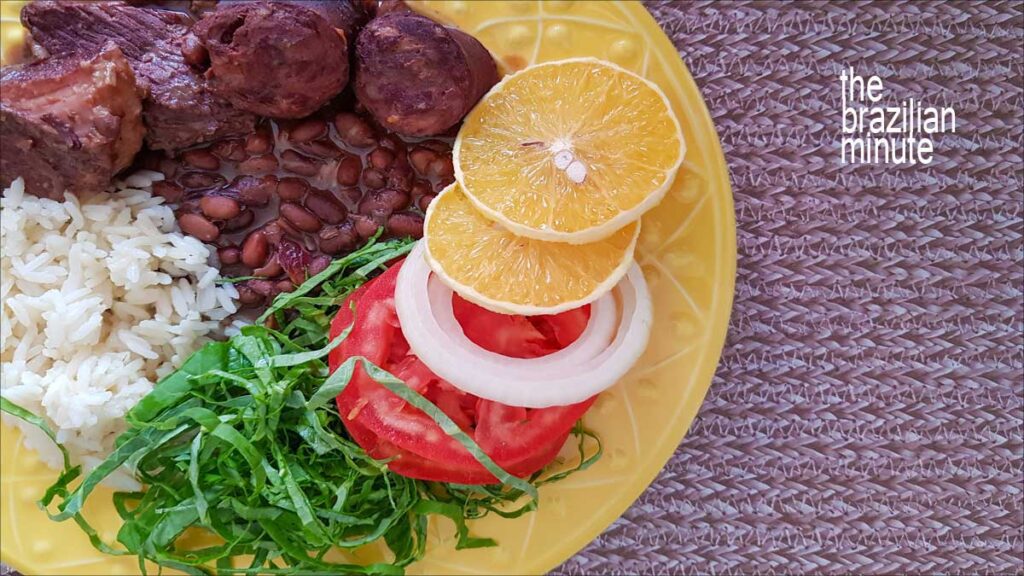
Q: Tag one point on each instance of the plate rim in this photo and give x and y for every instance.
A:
(717, 328)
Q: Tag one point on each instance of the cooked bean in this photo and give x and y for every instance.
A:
(317, 265)
(292, 189)
(255, 191)
(339, 238)
(353, 130)
(349, 169)
(384, 201)
(200, 158)
(439, 146)
(350, 196)
(299, 164)
(442, 169)
(258, 164)
(386, 186)
(394, 143)
(158, 162)
(229, 255)
(260, 142)
(300, 217)
(196, 225)
(240, 222)
(230, 149)
(373, 178)
(271, 321)
(190, 205)
(168, 190)
(400, 176)
(219, 207)
(200, 180)
(404, 224)
(255, 249)
(273, 231)
(419, 188)
(287, 228)
(381, 158)
(365, 226)
(249, 297)
(263, 287)
(194, 52)
(269, 270)
(322, 148)
(325, 208)
(420, 158)
(308, 129)
(424, 202)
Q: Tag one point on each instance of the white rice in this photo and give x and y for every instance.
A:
(98, 300)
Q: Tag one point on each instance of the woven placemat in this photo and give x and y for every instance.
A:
(867, 412)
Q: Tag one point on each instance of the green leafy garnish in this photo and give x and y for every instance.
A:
(243, 444)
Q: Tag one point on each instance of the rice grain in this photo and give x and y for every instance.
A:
(99, 299)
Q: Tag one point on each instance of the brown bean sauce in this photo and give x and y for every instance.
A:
(310, 191)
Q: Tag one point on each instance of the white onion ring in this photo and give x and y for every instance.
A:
(517, 381)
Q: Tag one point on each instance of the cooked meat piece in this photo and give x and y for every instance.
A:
(197, 7)
(389, 6)
(277, 59)
(419, 78)
(180, 111)
(69, 122)
(63, 27)
(345, 15)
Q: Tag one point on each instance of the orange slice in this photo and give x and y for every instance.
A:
(569, 151)
(488, 265)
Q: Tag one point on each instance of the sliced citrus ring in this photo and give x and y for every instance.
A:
(569, 151)
(490, 266)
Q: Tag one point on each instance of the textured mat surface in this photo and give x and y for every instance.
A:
(867, 412)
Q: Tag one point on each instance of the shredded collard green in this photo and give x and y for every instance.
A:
(244, 444)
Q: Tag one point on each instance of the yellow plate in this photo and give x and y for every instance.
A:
(687, 250)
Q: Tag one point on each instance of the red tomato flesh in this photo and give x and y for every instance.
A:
(520, 440)
(519, 336)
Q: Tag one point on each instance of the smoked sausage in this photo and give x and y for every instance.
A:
(417, 77)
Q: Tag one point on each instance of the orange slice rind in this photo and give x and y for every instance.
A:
(487, 264)
(569, 151)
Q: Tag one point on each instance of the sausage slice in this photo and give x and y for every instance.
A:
(417, 77)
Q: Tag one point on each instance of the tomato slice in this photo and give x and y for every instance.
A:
(519, 336)
(563, 328)
(520, 440)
